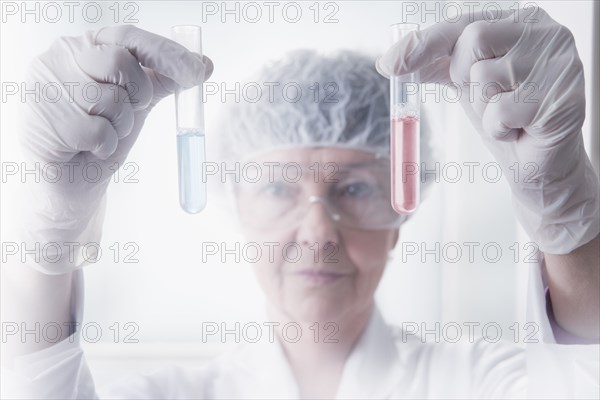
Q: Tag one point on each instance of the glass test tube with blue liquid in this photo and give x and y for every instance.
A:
(405, 115)
(189, 110)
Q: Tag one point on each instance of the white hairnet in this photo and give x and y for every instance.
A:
(318, 100)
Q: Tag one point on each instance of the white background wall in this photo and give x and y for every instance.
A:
(170, 291)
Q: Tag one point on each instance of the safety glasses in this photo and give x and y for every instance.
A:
(353, 195)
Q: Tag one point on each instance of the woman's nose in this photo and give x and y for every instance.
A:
(330, 210)
(319, 224)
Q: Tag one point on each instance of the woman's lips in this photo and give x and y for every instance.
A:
(319, 277)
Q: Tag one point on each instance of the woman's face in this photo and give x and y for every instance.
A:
(314, 268)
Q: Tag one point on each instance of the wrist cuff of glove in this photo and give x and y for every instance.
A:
(57, 242)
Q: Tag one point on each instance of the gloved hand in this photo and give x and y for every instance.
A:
(536, 118)
(88, 133)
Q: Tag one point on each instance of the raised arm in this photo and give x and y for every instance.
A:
(132, 69)
(533, 121)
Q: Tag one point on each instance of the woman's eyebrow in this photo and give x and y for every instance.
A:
(362, 164)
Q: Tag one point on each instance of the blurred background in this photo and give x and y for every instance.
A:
(151, 283)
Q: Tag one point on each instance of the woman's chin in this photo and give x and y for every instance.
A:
(309, 311)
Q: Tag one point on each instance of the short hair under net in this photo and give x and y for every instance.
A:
(342, 102)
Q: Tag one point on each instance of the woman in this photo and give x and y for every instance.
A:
(339, 218)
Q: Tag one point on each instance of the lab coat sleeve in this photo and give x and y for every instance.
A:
(61, 372)
(556, 369)
(57, 372)
(166, 382)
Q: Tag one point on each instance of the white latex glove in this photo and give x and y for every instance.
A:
(79, 131)
(537, 119)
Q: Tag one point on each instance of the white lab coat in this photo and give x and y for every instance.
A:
(384, 364)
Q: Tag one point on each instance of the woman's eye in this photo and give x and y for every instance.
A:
(277, 189)
(357, 190)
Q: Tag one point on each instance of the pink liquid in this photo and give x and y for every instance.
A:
(405, 164)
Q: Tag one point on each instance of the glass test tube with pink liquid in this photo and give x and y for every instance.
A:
(405, 114)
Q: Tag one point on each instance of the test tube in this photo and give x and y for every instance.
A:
(189, 110)
(405, 133)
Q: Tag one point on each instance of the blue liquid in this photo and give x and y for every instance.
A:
(190, 155)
